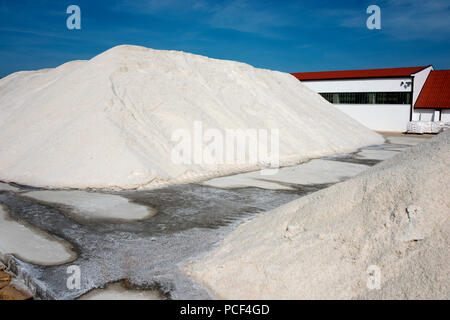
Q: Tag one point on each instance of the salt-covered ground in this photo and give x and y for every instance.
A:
(190, 220)
(314, 172)
(405, 140)
(327, 170)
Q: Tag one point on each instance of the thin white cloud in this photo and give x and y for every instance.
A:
(240, 15)
(35, 32)
(400, 19)
(160, 6)
(417, 19)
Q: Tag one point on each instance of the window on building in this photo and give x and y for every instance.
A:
(368, 97)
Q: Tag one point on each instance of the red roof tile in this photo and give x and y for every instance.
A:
(436, 91)
(347, 74)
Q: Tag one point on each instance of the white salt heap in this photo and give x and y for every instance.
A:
(108, 122)
(392, 220)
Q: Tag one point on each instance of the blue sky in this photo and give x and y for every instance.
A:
(290, 36)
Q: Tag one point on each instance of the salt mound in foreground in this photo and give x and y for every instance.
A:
(391, 221)
(108, 122)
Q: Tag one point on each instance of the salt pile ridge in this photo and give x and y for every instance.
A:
(384, 234)
(107, 122)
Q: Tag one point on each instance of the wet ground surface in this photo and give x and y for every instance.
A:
(366, 157)
(190, 220)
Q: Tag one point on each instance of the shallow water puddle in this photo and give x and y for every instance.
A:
(314, 172)
(94, 206)
(31, 244)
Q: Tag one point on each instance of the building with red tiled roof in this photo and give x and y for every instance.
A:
(433, 103)
(358, 74)
(385, 99)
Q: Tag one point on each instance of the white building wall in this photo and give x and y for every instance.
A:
(445, 115)
(419, 80)
(425, 115)
(361, 85)
(379, 117)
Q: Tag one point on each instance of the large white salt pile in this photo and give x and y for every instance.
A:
(383, 234)
(108, 122)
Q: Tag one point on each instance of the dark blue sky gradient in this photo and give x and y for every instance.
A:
(291, 36)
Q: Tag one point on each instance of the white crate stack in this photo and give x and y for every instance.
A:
(420, 127)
